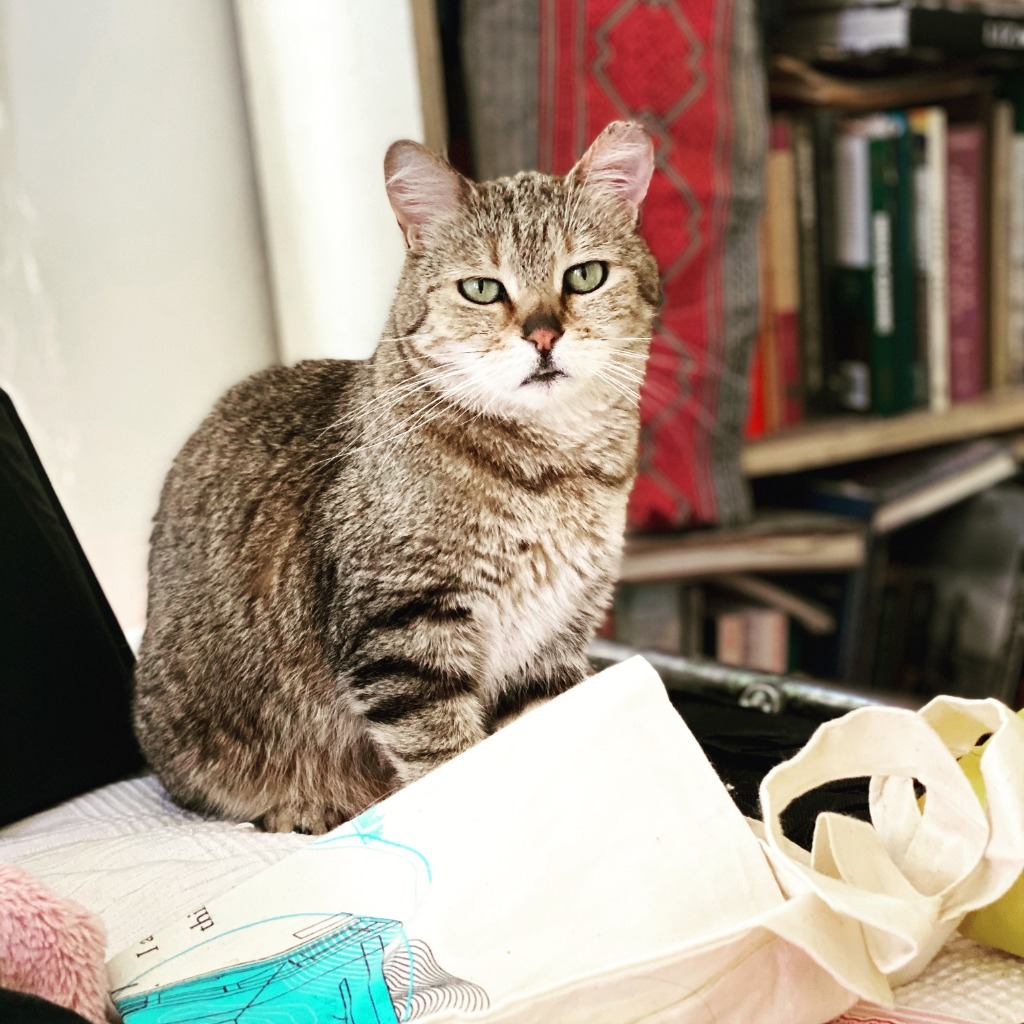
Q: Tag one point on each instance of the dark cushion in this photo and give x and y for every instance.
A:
(65, 667)
(18, 1008)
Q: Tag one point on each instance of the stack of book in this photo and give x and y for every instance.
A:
(892, 252)
(735, 618)
(843, 30)
(932, 602)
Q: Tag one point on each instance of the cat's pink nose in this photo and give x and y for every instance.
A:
(543, 338)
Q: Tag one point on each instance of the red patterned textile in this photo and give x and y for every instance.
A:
(674, 66)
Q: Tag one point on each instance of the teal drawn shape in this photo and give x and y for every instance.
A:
(336, 978)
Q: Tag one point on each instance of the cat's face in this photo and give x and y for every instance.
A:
(530, 297)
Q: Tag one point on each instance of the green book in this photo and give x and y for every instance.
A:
(851, 271)
(892, 358)
(909, 366)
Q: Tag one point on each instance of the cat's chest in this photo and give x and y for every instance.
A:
(546, 583)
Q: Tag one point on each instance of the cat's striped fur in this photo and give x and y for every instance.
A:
(359, 569)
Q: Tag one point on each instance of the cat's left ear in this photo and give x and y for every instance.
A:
(421, 186)
(620, 161)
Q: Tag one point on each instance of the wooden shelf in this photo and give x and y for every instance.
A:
(847, 439)
(773, 542)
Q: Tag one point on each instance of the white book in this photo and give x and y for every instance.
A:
(1015, 325)
(931, 229)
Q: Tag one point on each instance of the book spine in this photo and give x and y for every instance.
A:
(928, 127)
(767, 339)
(909, 369)
(782, 247)
(823, 130)
(766, 634)
(754, 427)
(1015, 256)
(885, 368)
(1000, 146)
(648, 616)
(730, 647)
(692, 604)
(1008, 671)
(809, 253)
(851, 505)
(966, 297)
(963, 30)
(853, 314)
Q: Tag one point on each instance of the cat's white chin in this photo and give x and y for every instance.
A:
(569, 404)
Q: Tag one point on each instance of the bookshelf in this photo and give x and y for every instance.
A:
(819, 443)
(946, 368)
(773, 542)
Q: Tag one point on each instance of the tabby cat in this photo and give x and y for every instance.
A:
(359, 569)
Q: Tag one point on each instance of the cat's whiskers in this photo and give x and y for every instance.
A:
(398, 392)
(457, 409)
(648, 384)
(374, 403)
(414, 421)
(422, 379)
(633, 384)
(659, 355)
(618, 385)
(714, 376)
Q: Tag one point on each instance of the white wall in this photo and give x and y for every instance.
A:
(133, 286)
(133, 273)
(331, 83)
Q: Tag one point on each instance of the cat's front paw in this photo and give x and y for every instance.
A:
(310, 821)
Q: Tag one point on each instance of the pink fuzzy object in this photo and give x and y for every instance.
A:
(50, 947)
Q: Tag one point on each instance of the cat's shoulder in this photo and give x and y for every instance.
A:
(309, 385)
(277, 408)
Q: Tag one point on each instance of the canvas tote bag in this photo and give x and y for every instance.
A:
(586, 864)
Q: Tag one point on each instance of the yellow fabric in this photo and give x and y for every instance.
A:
(1001, 924)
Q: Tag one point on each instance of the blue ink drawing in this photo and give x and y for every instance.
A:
(356, 972)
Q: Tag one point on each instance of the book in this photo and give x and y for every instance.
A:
(781, 252)
(812, 275)
(766, 639)
(909, 365)
(752, 636)
(904, 25)
(1013, 87)
(694, 610)
(890, 493)
(730, 648)
(780, 540)
(852, 276)
(794, 80)
(766, 342)
(648, 616)
(964, 181)
(972, 559)
(892, 355)
(928, 129)
(755, 425)
(1000, 153)
(812, 615)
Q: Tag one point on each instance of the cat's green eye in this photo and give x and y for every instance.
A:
(585, 277)
(483, 290)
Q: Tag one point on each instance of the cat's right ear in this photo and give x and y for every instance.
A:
(620, 162)
(421, 186)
